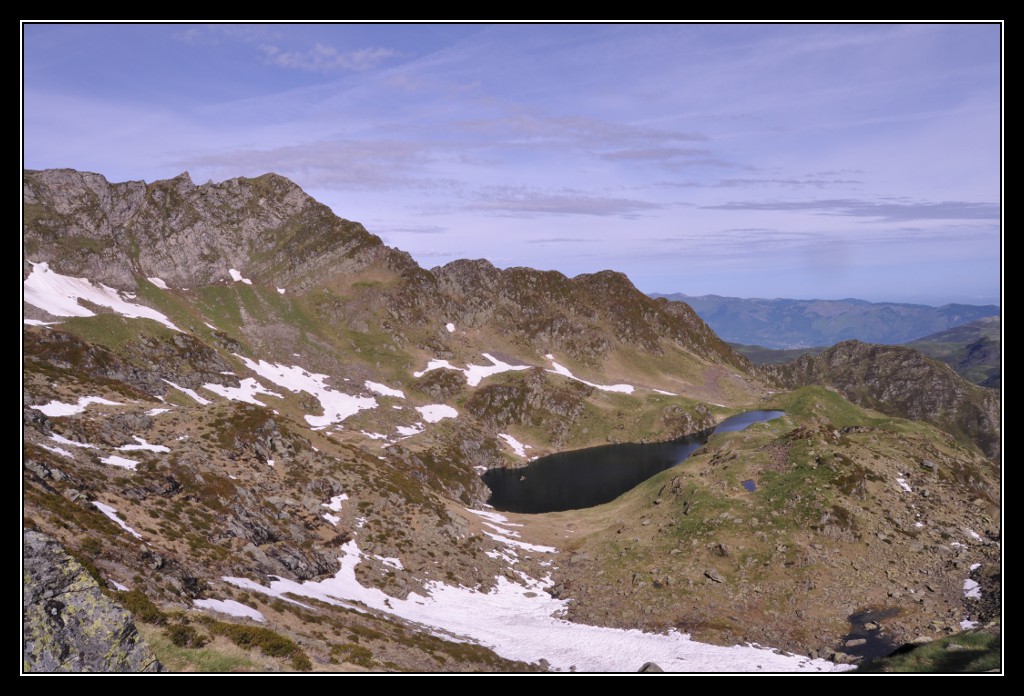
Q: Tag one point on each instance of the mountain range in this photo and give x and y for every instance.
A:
(261, 431)
(791, 324)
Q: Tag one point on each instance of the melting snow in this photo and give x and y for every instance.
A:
(122, 462)
(335, 503)
(59, 294)
(40, 322)
(374, 436)
(384, 390)
(564, 371)
(336, 405)
(143, 445)
(450, 326)
(57, 408)
(474, 373)
(517, 447)
(495, 517)
(971, 589)
(112, 514)
(967, 624)
(159, 283)
(65, 441)
(229, 607)
(190, 392)
(246, 391)
(522, 623)
(433, 413)
(236, 276)
(904, 485)
(395, 563)
(410, 430)
(333, 519)
(156, 411)
(58, 450)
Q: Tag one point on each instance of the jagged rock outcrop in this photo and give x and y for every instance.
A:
(901, 382)
(69, 624)
(190, 235)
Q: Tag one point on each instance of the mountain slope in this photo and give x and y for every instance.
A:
(235, 401)
(973, 350)
(783, 323)
(901, 381)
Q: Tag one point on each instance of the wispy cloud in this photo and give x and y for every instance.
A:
(324, 59)
(562, 240)
(528, 202)
(384, 164)
(886, 210)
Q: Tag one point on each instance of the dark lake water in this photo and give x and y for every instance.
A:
(587, 477)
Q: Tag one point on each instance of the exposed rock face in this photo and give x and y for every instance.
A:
(69, 625)
(189, 235)
(901, 382)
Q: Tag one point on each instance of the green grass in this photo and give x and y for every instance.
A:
(970, 651)
(218, 656)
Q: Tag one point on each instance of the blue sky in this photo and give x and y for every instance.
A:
(806, 161)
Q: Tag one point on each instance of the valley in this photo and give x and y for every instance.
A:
(240, 410)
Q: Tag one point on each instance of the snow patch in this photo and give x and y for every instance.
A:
(517, 447)
(972, 590)
(246, 391)
(395, 563)
(59, 294)
(904, 485)
(230, 607)
(336, 405)
(191, 392)
(39, 322)
(975, 566)
(159, 283)
(967, 624)
(433, 413)
(58, 408)
(558, 369)
(156, 411)
(333, 519)
(143, 445)
(666, 393)
(58, 450)
(122, 462)
(335, 502)
(384, 390)
(975, 535)
(474, 373)
(237, 277)
(118, 586)
(410, 430)
(280, 291)
(65, 441)
(112, 514)
(450, 326)
(374, 436)
(522, 622)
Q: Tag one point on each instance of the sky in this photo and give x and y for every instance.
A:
(748, 160)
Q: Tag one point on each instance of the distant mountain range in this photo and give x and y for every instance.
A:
(785, 323)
